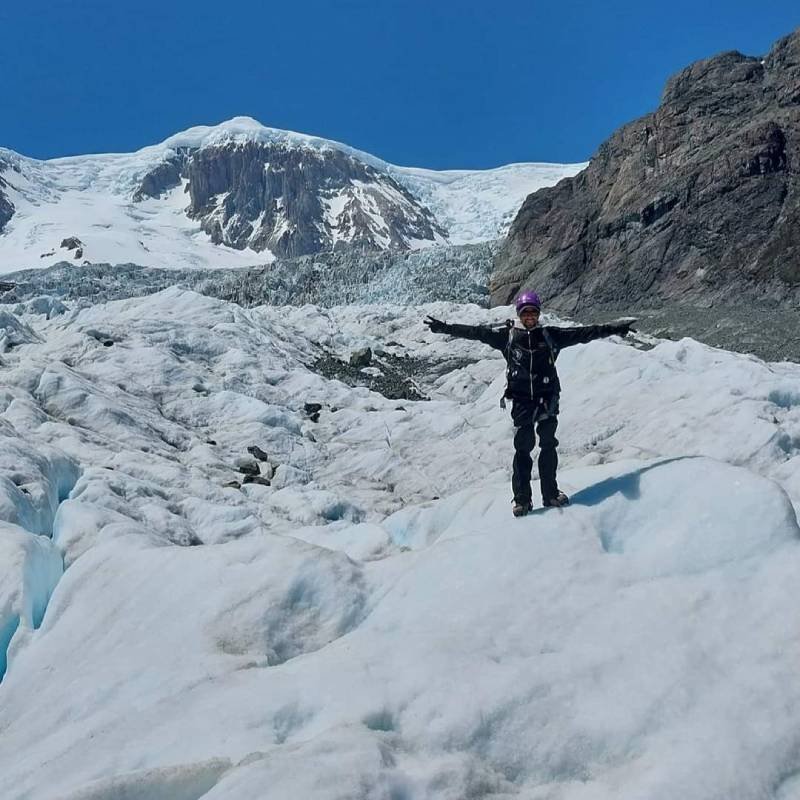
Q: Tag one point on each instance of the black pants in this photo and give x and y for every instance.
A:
(541, 415)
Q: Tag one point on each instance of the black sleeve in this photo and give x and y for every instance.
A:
(566, 337)
(493, 337)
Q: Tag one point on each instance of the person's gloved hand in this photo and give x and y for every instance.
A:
(435, 325)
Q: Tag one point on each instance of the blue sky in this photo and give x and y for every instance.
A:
(437, 84)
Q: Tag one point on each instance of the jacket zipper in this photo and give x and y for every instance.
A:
(530, 368)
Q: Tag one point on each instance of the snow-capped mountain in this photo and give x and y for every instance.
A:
(210, 590)
(239, 194)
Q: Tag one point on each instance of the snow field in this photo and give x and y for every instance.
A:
(112, 228)
(341, 633)
(475, 206)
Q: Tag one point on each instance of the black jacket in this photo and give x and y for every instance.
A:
(531, 362)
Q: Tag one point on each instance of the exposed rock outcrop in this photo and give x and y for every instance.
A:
(698, 201)
(297, 201)
(6, 209)
(6, 206)
(361, 357)
(166, 176)
(73, 243)
(293, 200)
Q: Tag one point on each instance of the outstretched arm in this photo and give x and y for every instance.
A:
(566, 337)
(481, 333)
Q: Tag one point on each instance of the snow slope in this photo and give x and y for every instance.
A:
(479, 205)
(91, 197)
(374, 623)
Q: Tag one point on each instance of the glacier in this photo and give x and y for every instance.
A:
(370, 621)
(456, 273)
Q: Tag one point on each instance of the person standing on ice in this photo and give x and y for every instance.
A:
(530, 351)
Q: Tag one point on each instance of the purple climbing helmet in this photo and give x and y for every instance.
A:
(528, 299)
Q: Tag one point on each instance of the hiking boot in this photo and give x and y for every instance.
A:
(521, 509)
(558, 501)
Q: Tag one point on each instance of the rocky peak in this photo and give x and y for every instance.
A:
(293, 200)
(698, 198)
(707, 84)
(784, 62)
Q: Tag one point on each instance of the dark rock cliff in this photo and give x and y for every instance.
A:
(164, 177)
(698, 201)
(293, 201)
(6, 207)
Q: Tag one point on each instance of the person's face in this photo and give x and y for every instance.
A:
(529, 317)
